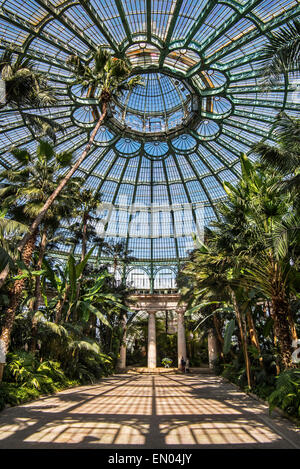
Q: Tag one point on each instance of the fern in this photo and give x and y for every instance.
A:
(287, 393)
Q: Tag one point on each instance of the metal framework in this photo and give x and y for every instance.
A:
(160, 160)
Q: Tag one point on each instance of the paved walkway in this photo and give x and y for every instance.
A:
(138, 411)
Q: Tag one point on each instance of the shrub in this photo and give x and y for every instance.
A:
(167, 362)
(287, 392)
(26, 378)
(12, 394)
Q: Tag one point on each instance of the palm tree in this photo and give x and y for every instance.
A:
(25, 87)
(105, 78)
(282, 53)
(89, 202)
(216, 274)
(251, 256)
(274, 277)
(285, 156)
(23, 194)
(11, 232)
(266, 256)
(119, 253)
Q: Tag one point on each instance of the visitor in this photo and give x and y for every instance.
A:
(182, 364)
(187, 366)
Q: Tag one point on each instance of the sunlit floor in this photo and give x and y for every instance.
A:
(138, 411)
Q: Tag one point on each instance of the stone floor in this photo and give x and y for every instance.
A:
(144, 411)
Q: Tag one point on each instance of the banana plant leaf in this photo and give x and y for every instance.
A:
(5, 259)
(228, 335)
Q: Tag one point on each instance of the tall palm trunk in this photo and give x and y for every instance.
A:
(83, 254)
(16, 295)
(37, 291)
(65, 180)
(217, 326)
(280, 309)
(4, 274)
(60, 305)
(243, 334)
(84, 235)
(292, 325)
(253, 335)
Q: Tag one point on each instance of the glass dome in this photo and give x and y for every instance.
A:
(163, 153)
(159, 105)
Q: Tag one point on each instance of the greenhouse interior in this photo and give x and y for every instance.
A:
(149, 224)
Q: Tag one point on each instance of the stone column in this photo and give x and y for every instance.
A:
(212, 345)
(122, 358)
(181, 344)
(151, 340)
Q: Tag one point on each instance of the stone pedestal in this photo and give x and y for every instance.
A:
(181, 344)
(151, 340)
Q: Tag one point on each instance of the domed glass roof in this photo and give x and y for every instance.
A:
(155, 107)
(161, 157)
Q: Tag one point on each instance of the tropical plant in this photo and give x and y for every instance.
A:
(10, 233)
(26, 87)
(70, 301)
(281, 53)
(86, 216)
(287, 393)
(167, 362)
(23, 193)
(250, 257)
(285, 156)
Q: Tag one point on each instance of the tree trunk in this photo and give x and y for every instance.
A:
(60, 305)
(253, 335)
(219, 335)
(242, 328)
(16, 295)
(4, 274)
(84, 235)
(83, 254)
(37, 292)
(292, 325)
(282, 330)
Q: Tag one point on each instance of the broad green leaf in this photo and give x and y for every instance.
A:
(72, 277)
(228, 335)
(229, 189)
(99, 315)
(268, 326)
(5, 259)
(81, 265)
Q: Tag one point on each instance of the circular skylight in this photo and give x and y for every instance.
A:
(159, 105)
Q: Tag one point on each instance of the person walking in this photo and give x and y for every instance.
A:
(182, 362)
